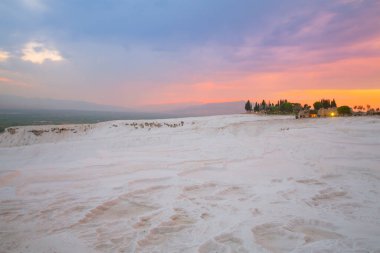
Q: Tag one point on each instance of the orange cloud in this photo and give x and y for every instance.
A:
(350, 81)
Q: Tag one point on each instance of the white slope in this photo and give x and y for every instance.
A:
(237, 183)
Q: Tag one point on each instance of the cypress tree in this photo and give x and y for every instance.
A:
(256, 108)
(248, 106)
(264, 104)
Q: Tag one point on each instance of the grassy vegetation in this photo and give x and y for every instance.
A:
(9, 118)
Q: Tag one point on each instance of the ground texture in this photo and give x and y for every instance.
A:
(237, 183)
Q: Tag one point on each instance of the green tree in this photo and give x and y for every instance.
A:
(317, 105)
(286, 107)
(326, 103)
(248, 106)
(333, 103)
(344, 110)
(297, 107)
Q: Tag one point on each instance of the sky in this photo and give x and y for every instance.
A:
(135, 53)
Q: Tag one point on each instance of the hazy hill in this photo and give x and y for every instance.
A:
(212, 109)
(21, 111)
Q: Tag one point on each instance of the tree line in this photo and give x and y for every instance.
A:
(286, 107)
(280, 107)
(325, 103)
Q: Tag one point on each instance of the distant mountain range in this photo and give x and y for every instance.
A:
(17, 102)
(11, 102)
(210, 109)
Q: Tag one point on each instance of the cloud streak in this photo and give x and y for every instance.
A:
(12, 82)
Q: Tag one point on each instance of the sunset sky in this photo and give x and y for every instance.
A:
(140, 52)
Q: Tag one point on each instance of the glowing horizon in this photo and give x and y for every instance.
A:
(354, 97)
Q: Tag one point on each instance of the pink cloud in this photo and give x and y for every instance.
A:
(316, 25)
